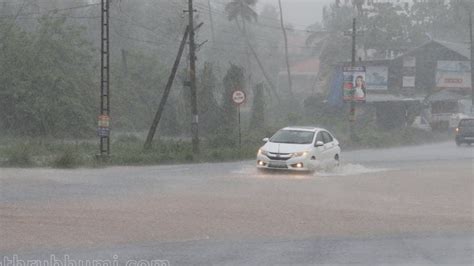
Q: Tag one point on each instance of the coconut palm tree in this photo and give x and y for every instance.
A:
(285, 37)
(242, 11)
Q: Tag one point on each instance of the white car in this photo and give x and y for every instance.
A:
(299, 149)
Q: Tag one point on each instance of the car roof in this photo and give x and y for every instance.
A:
(304, 128)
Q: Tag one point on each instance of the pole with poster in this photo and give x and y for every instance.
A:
(103, 130)
(349, 89)
(472, 60)
(239, 97)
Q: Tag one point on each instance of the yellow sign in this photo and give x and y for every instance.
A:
(104, 121)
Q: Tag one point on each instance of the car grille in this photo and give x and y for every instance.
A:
(279, 156)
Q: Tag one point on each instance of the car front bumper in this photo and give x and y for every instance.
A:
(301, 164)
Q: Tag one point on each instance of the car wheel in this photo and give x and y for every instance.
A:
(336, 158)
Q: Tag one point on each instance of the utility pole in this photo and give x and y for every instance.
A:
(472, 60)
(352, 111)
(104, 130)
(164, 98)
(192, 77)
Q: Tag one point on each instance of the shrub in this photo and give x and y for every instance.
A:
(20, 155)
(69, 158)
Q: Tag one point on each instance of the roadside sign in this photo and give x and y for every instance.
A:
(354, 89)
(103, 126)
(103, 131)
(104, 121)
(238, 97)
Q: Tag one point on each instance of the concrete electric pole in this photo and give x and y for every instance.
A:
(192, 79)
(103, 127)
(352, 111)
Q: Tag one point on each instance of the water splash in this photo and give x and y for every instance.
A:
(348, 169)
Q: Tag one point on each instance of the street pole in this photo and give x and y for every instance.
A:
(472, 61)
(352, 111)
(164, 98)
(240, 136)
(104, 77)
(192, 74)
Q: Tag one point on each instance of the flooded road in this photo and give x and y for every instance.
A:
(402, 205)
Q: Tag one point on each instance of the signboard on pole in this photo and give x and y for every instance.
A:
(239, 97)
(354, 84)
(453, 74)
(103, 129)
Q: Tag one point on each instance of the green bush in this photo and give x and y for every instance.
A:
(69, 158)
(20, 156)
(127, 138)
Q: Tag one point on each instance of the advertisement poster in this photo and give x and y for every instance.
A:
(453, 74)
(377, 78)
(354, 84)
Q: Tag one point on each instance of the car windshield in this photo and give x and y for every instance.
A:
(467, 123)
(293, 137)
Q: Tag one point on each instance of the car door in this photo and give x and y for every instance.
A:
(329, 146)
(319, 153)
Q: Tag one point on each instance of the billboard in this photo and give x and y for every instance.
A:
(377, 77)
(453, 74)
(354, 84)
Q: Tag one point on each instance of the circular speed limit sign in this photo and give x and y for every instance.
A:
(238, 97)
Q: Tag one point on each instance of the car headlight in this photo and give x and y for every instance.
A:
(262, 152)
(299, 154)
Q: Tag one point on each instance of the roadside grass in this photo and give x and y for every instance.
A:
(370, 138)
(18, 155)
(69, 158)
(127, 149)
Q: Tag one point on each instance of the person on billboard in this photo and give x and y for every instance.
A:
(359, 89)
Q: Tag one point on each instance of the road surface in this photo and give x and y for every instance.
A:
(410, 205)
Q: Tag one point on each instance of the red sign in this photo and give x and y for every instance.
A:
(239, 97)
(104, 121)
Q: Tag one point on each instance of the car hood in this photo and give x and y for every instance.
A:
(285, 147)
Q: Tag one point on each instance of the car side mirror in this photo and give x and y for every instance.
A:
(319, 143)
(265, 139)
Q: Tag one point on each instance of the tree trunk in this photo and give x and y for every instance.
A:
(249, 64)
(285, 37)
(260, 65)
(211, 20)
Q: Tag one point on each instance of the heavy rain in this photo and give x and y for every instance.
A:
(236, 132)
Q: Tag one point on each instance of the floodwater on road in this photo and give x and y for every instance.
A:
(421, 192)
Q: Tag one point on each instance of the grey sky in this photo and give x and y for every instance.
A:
(301, 13)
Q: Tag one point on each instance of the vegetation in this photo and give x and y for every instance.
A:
(46, 80)
(49, 87)
(386, 28)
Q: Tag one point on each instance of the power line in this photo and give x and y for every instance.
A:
(51, 11)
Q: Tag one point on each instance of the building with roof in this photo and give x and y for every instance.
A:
(395, 86)
(304, 76)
